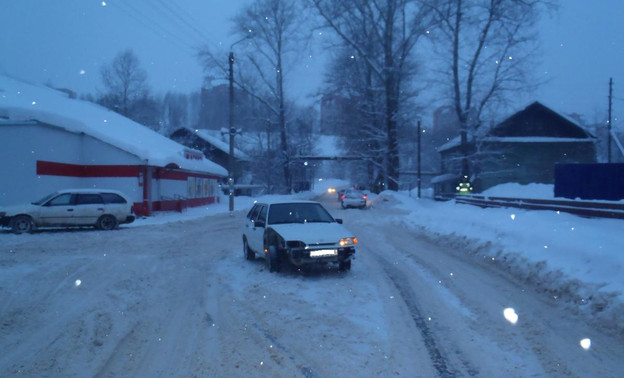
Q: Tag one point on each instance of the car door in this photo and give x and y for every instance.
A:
(89, 207)
(256, 230)
(57, 210)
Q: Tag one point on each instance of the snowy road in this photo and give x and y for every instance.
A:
(180, 300)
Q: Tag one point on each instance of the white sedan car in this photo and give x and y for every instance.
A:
(104, 209)
(353, 198)
(299, 232)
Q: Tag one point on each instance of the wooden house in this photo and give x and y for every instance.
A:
(523, 149)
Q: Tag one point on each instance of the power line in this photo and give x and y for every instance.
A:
(186, 19)
(157, 28)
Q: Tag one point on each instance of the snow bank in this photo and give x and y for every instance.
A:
(577, 260)
(542, 191)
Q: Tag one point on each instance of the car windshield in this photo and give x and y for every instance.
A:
(44, 199)
(298, 213)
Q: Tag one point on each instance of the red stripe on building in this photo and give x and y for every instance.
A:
(51, 168)
(74, 170)
(168, 174)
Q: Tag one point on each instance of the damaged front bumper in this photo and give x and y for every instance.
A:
(304, 256)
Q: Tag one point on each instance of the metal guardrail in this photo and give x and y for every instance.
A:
(593, 209)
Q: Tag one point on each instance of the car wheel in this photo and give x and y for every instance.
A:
(106, 222)
(249, 254)
(272, 259)
(21, 224)
(344, 265)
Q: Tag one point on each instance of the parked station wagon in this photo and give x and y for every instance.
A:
(103, 209)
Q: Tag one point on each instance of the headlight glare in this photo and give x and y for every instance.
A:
(348, 241)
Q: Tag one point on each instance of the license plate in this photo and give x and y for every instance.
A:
(323, 252)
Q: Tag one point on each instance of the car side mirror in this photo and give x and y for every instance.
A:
(339, 221)
(259, 223)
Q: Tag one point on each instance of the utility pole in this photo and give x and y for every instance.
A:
(418, 173)
(231, 131)
(268, 128)
(609, 120)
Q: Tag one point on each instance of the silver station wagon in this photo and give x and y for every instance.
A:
(103, 209)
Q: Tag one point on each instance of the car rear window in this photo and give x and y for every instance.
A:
(354, 194)
(88, 198)
(113, 198)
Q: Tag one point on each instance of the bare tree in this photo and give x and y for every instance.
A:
(175, 108)
(274, 33)
(360, 124)
(383, 34)
(125, 82)
(486, 49)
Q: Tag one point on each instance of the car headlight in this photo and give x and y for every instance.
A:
(347, 241)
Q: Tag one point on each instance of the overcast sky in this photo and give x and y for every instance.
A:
(65, 43)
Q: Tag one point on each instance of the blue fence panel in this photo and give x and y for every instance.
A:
(590, 181)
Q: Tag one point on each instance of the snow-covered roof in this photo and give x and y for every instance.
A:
(455, 142)
(20, 101)
(445, 177)
(218, 143)
(487, 137)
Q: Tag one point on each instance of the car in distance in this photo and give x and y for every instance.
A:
(353, 198)
(298, 232)
(103, 209)
(340, 194)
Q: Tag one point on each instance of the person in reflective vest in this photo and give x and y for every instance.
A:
(464, 186)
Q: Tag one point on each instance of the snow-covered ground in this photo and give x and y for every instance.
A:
(430, 294)
(580, 258)
(570, 255)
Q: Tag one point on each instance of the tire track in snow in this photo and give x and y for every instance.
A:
(438, 360)
(305, 370)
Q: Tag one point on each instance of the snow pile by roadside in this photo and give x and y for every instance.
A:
(521, 191)
(576, 259)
